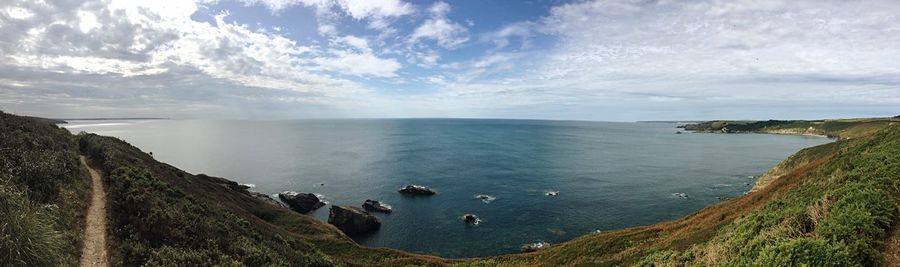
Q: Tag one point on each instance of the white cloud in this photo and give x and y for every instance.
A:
(143, 47)
(361, 9)
(696, 57)
(17, 13)
(355, 42)
(501, 38)
(586, 58)
(380, 13)
(361, 64)
(440, 28)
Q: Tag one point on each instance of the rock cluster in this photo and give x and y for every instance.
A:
(301, 202)
(417, 190)
(471, 219)
(374, 205)
(352, 221)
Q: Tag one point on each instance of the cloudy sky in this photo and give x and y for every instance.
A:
(614, 60)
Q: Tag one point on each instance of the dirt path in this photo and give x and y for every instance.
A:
(892, 247)
(94, 251)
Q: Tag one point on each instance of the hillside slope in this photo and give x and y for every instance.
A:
(43, 194)
(833, 204)
(839, 129)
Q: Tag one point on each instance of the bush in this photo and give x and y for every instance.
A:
(806, 252)
(44, 193)
(27, 236)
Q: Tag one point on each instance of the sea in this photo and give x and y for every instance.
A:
(608, 175)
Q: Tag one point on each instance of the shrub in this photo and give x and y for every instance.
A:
(806, 252)
(27, 236)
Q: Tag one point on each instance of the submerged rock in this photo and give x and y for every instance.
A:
(471, 219)
(534, 246)
(552, 193)
(352, 221)
(301, 202)
(374, 205)
(417, 190)
(680, 195)
(678, 132)
(485, 198)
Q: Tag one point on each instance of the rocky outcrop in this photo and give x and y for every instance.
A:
(301, 202)
(471, 219)
(375, 205)
(352, 221)
(417, 190)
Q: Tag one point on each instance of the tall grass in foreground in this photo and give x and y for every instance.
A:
(27, 237)
(43, 194)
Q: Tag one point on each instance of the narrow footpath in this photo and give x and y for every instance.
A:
(892, 247)
(94, 251)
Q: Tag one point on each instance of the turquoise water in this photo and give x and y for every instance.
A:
(609, 175)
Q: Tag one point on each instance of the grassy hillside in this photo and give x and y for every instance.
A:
(833, 204)
(840, 129)
(43, 194)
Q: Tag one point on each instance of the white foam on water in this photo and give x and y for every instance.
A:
(76, 126)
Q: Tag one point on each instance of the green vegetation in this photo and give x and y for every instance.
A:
(830, 205)
(841, 129)
(156, 223)
(43, 194)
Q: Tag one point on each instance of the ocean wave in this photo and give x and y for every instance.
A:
(76, 126)
(486, 198)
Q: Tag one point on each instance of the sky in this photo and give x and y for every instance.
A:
(612, 60)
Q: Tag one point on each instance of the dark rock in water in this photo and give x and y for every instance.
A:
(352, 221)
(301, 202)
(471, 219)
(534, 246)
(416, 190)
(678, 132)
(374, 205)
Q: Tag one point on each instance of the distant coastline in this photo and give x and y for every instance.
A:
(837, 129)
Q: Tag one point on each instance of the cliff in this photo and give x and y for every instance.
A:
(838, 129)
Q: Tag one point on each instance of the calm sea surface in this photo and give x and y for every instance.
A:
(609, 175)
